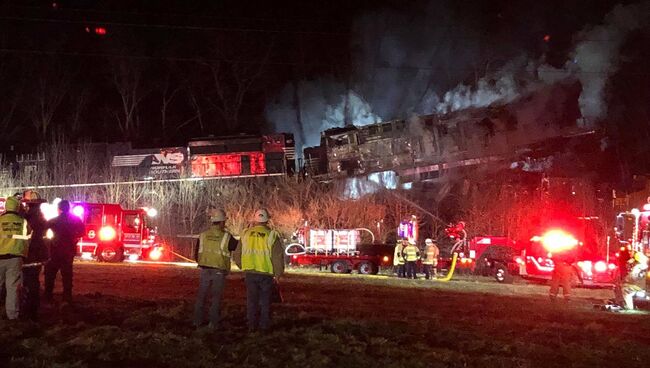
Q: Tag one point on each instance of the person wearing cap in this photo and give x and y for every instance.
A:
(260, 255)
(411, 254)
(66, 229)
(14, 244)
(213, 258)
(430, 258)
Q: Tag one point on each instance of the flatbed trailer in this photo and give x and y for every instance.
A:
(368, 259)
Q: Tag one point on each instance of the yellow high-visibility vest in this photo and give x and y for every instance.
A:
(257, 244)
(14, 239)
(213, 249)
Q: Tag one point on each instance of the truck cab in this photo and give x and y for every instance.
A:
(113, 233)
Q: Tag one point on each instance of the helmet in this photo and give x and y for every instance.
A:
(12, 204)
(261, 215)
(218, 215)
(428, 241)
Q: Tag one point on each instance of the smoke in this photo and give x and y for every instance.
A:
(596, 55)
(439, 59)
(310, 107)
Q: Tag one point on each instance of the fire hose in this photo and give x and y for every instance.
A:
(454, 259)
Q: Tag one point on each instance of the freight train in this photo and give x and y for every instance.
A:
(427, 148)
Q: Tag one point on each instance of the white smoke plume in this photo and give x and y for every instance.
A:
(410, 63)
(596, 55)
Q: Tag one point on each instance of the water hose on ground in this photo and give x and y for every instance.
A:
(450, 273)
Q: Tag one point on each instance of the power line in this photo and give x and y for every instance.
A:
(285, 63)
(177, 15)
(172, 26)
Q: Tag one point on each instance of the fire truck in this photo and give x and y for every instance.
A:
(113, 234)
(339, 250)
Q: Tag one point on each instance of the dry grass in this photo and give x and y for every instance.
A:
(134, 316)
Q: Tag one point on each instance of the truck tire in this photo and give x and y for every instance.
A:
(110, 253)
(367, 268)
(502, 275)
(339, 267)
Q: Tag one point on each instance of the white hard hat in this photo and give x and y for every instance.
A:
(261, 215)
(428, 241)
(218, 215)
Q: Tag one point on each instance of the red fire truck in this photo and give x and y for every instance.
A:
(591, 268)
(113, 233)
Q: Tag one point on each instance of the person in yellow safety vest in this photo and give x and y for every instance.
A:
(411, 255)
(213, 258)
(398, 258)
(430, 259)
(14, 244)
(630, 284)
(260, 254)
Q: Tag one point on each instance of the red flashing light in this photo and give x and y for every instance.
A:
(155, 254)
(107, 233)
(101, 31)
(547, 38)
(557, 241)
(600, 266)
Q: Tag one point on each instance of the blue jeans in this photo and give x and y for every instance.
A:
(212, 280)
(258, 300)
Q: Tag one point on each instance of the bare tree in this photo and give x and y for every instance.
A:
(234, 73)
(48, 87)
(127, 80)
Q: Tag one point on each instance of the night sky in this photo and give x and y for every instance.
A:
(159, 73)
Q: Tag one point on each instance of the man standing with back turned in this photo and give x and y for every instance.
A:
(213, 258)
(260, 255)
(66, 231)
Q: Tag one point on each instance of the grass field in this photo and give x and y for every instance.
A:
(139, 316)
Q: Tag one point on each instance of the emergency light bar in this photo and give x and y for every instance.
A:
(556, 241)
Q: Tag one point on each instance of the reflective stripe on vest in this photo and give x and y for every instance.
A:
(411, 253)
(213, 249)
(398, 258)
(256, 252)
(431, 255)
(13, 235)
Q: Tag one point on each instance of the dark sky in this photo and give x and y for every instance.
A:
(166, 71)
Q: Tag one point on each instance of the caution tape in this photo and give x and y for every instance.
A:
(182, 257)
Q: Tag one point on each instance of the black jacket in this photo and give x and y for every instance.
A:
(38, 248)
(67, 230)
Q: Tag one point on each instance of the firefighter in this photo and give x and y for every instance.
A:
(14, 243)
(628, 284)
(411, 254)
(260, 255)
(562, 275)
(213, 257)
(430, 259)
(66, 231)
(398, 258)
(36, 258)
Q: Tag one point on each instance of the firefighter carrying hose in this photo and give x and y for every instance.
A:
(213, 257)
(430, 259)
(398, 257)
(411, 255)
